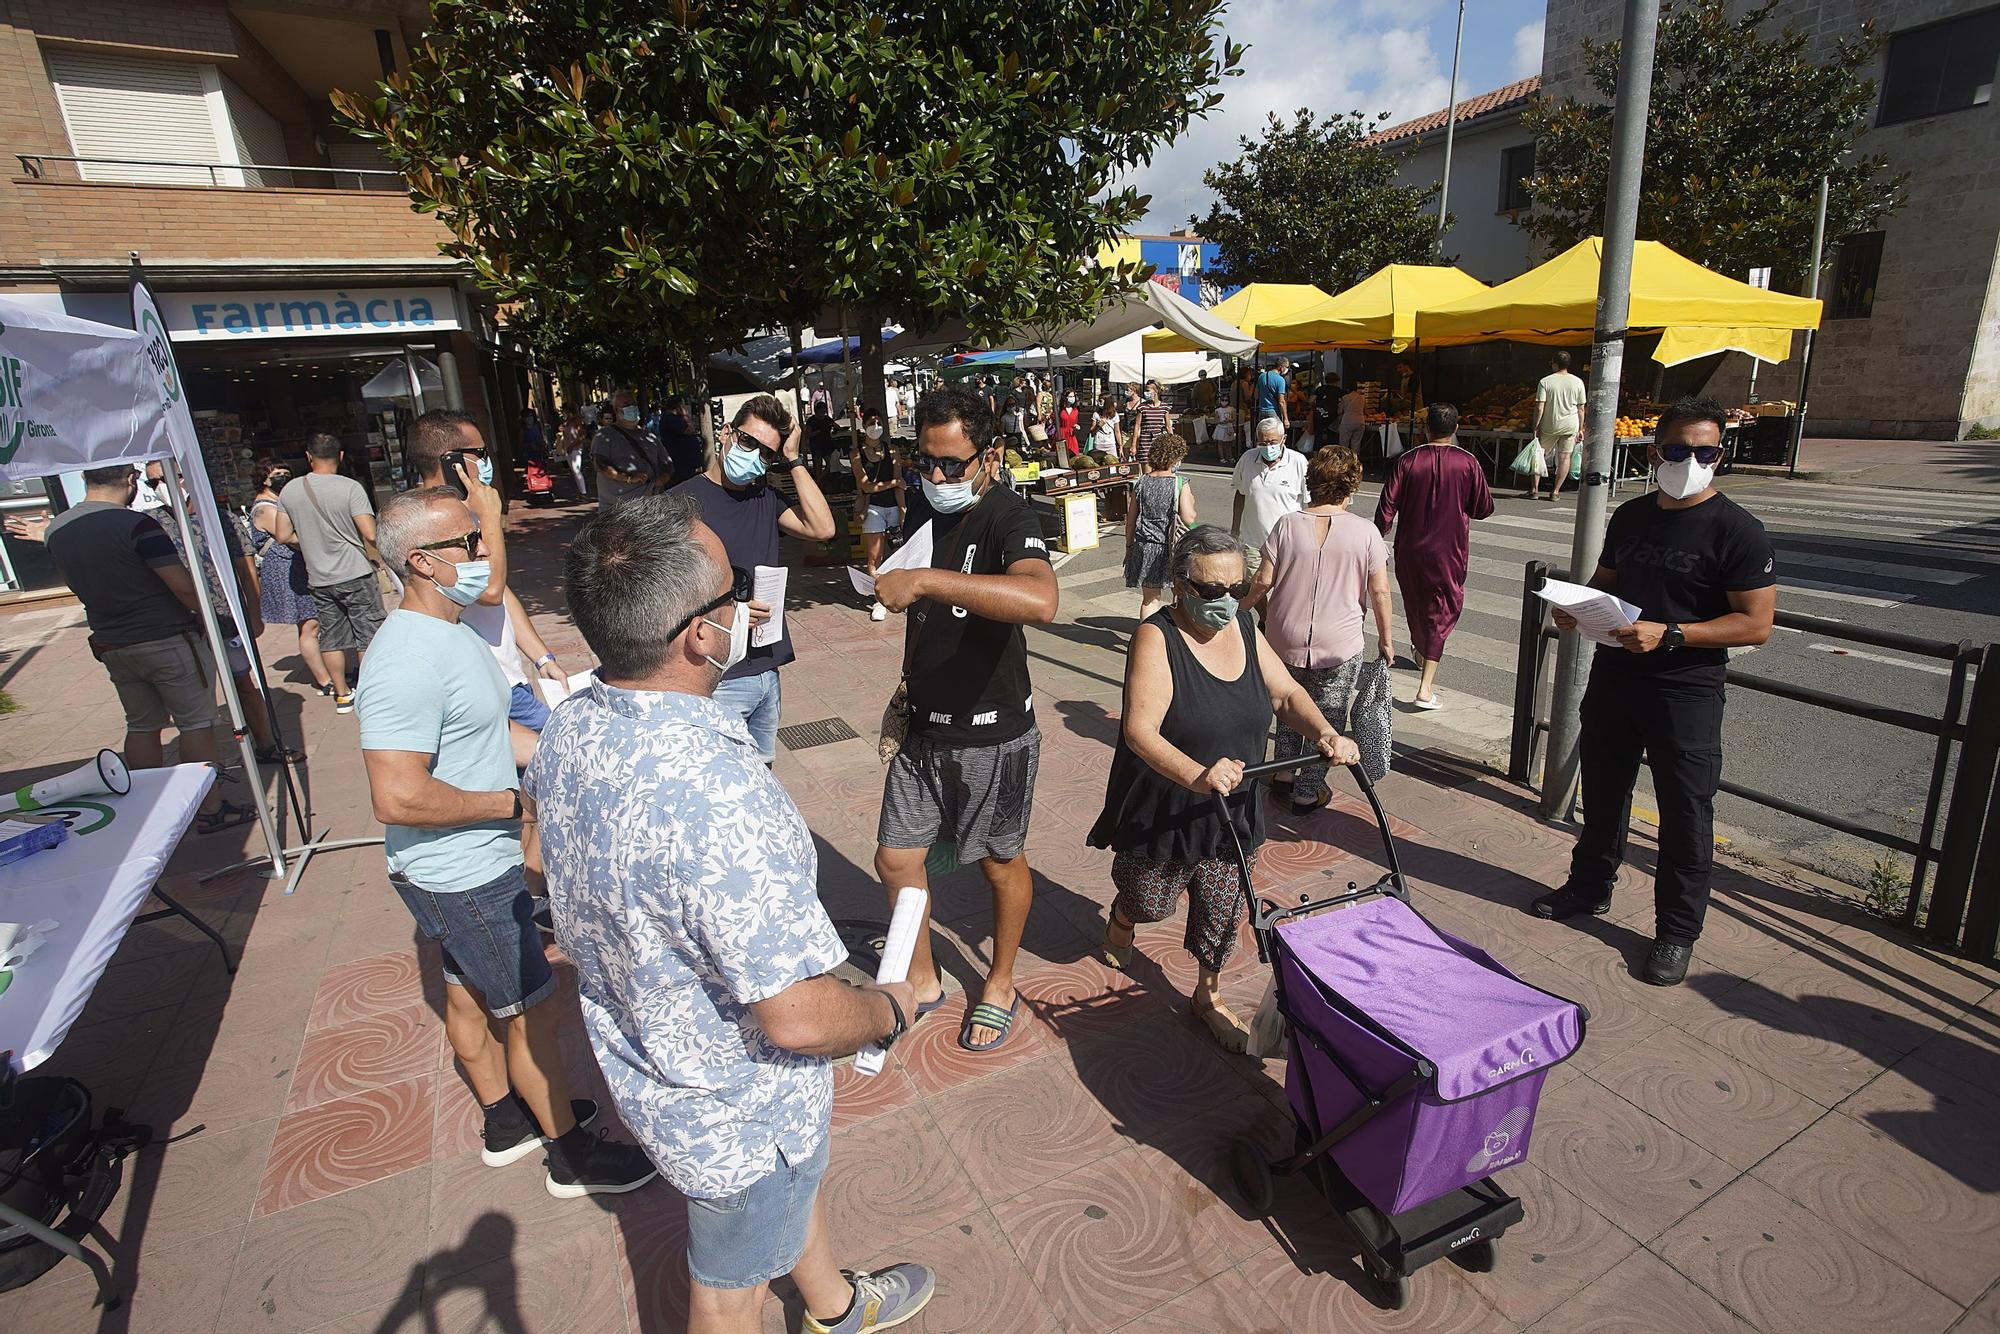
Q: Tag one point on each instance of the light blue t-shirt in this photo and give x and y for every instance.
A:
(433, 687)
(1270, 393)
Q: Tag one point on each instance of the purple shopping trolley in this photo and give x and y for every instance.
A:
(1415, 1063)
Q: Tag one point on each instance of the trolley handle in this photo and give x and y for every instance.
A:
(1252, 771)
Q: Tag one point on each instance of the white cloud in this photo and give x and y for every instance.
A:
(1527, 49)
(1329, 55)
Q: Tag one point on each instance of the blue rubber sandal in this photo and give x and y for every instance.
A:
(926, 1007)
(984, 1015)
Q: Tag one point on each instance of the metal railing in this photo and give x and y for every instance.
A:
(34, 164)
(1956, 856)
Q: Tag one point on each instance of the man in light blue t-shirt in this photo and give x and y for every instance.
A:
(1272, 387)
(433, 705)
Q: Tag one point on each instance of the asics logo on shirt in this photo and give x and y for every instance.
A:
(1667, 558)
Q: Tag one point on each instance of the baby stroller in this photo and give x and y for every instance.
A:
(1415, 1062)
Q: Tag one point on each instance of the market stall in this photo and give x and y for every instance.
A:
(1246, 313)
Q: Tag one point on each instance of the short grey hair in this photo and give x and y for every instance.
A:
(1205, 539)
(632, 575)
(1270, 428)
(408, 520)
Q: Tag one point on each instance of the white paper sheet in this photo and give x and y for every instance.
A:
(913, 554)
(555, 692)
(1598, 614)
(897, 948)
(770, 581)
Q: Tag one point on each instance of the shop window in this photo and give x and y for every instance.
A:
(1940, 67)
(1855, 271)
(1517, 164)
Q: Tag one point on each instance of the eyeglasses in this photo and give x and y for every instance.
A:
(952, 468)
(741, 586)
(1213, 591)
(1706, 455)
(467, 542)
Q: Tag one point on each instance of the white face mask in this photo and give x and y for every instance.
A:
(874, 433)
(1684, 479)
(738, 631)
(948, 497)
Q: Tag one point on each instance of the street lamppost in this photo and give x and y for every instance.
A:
(1450, 127)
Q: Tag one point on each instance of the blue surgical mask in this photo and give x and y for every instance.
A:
(473, 577)
(948, 497)
(1272, 451)
(485, 471)
(1215, 613)
(630, 414)
(742, 466)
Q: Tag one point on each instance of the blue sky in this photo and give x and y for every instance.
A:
(1342, 55)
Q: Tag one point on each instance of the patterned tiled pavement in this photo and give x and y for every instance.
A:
(1801, 1138)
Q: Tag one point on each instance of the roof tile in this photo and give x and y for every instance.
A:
(1514, 94)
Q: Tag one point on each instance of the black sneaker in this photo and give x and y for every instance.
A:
(1566, 902)
(1667, 965)
(605, 1168)
(513, 1142)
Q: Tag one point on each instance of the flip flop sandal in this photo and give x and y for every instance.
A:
(1226, 1028)
(926, 1007)
(227, 816)
(984, 1015)
(1118, 956)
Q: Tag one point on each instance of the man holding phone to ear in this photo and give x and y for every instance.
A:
(1701, 571)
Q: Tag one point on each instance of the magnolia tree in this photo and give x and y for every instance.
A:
(693, 172)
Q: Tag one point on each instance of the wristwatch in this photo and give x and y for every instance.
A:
(1673, 638)
(790, 463)
(902, 1025)
(517, 803)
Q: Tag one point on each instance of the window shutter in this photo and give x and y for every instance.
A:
(258, 136)
(121, 107)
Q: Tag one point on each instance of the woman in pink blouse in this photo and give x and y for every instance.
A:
(1323, 569)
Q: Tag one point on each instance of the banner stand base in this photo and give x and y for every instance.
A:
(298, 858)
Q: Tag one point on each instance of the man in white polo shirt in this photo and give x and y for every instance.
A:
(1270, 483)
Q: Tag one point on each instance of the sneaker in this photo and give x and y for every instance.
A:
(1667, 965)
(882, 1300)
(1566, 902)
(343, 703)
(606, 1168)
(324, 689)
(510, 1144)
(878, 613)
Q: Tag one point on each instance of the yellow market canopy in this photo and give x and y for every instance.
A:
(1250, 308)
(1699, 311)
(1379, 311)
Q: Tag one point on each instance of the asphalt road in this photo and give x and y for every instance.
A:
(1922, 563)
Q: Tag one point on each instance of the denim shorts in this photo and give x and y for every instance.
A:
(758, 1233)
(489, 938)
(525, 707)
(756, 700)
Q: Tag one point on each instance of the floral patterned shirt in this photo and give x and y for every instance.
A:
(684, 887)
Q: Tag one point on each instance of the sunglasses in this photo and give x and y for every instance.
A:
(741, 589)
(952, 468)
(468, 543)
(744, 440)
(1214, 591)
(1706, 455)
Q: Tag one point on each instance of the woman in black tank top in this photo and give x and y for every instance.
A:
(1200, 692)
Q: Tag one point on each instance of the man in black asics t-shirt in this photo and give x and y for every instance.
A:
(1700, 569)
(966, 773)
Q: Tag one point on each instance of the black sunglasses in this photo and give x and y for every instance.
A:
(952, 468)
(1706, 455)
(741, 588)
(1214, 591)
(469, 543)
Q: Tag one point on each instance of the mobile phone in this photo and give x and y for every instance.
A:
(452, 461)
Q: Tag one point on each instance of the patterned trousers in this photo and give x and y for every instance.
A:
(1149, 890)
(1332, 689)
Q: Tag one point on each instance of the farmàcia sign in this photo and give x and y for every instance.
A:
(228, 317)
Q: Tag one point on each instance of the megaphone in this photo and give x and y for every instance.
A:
(106, 773)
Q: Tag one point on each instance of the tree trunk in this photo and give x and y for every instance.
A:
(874, 392)
(798, 377)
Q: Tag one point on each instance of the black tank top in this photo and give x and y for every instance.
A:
(1207, 720)
(881, 470)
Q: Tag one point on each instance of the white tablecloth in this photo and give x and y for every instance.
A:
(93, 886)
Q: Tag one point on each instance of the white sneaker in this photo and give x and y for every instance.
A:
(878, 613)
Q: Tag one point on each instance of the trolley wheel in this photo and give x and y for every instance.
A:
(1393, 1289)
(1253, 1175)
(1478, 1258)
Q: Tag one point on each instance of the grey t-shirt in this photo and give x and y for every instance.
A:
(632, 449)
(331, 546)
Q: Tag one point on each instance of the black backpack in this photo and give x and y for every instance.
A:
(56, 1167)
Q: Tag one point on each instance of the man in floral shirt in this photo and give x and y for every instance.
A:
(683, 884)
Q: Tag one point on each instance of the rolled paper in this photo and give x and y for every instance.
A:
(895, 966)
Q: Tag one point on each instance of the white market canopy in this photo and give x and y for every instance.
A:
(1135, 312)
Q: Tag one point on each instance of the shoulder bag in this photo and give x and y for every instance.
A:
(385, 583)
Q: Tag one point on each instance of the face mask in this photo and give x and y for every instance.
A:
(629, 414)
(1273, 451)
(1684, 479)
(473, 577)
(742, 466)
(738, 631)
(1215, 613)
(1152, 396)
(1069, 398)
(485, 471)
(948, 497)
(874, 433)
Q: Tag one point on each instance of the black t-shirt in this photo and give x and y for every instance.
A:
(107, 555)
(968, 675)
(1679, 567)
(747, 523)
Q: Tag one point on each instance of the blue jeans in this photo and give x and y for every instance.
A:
(754, 699)
(489, 938)
(524, 706)
(758, 1233)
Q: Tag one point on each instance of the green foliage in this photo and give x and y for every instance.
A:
(683, 173)
(1741, 128)
(7, 704)
(1313, 202)
(1886, 887)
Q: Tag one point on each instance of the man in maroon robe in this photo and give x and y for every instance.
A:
(1437, 490)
